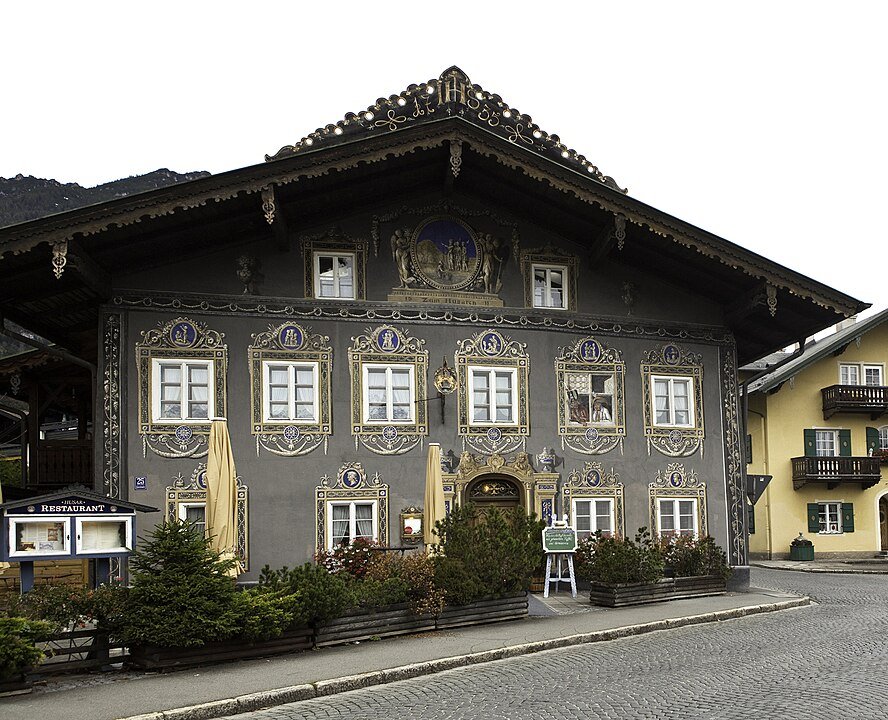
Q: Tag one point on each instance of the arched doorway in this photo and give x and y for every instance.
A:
(883, 522)
(495, 490)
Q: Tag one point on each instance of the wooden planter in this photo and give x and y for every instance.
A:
(366, 624)
(510, 607)
(19, 685)
(665, 589)
(150, 657)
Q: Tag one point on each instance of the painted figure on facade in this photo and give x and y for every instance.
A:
(401, 255)
(445, 254)
(492, 261)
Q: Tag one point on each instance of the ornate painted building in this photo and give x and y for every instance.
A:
(327, 300)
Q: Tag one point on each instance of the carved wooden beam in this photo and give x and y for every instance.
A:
(610, 236)
(762, 295)
(89, 271)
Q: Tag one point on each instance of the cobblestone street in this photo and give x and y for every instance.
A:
(826, 660)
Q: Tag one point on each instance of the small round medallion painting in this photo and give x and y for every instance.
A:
(445, 253)
(494, 434)
(675, 438)
(389, 433)
(351, 478)
(593, 478)
(183, 334)
(291, 433)
(387, 339)
(492, 343)
(290, 336)
(672, 355)
(590, 351)
(591, 434)
(675, 479)
(184, 434)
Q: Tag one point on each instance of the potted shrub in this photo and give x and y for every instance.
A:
(622, 571)
(698, 566)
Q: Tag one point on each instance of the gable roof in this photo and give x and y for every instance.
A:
(54, 272)
(817, 350)
(81, 492)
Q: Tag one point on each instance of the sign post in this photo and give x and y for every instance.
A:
(559, 544)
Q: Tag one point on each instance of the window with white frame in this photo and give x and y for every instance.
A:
(351, 520)
(677, 516)
(826, 443)
(194, 513)
(290, 391)
(593, 515)
(334, 275)
(672, 398)
(550, 286)
(860, 374)
(388, 393)
(182, 390)
(830, 517)
(883, 437)
(493, 395)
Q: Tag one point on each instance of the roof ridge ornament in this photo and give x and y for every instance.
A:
(451, 94)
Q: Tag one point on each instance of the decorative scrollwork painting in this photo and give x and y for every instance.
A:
(290, 369)
(388, 397)
(672, 390)
(591, 397)
(676, 483)
(593, 482)
(181, 374)
(492, 392)
(192, 493)
(351, 487)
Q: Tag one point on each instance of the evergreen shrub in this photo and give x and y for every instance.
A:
(18, 651)
(617, 561)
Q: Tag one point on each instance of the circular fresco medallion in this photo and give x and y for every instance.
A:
(593, 478)
(672, 355)
(291, 433)
(494, 434)
(387, 339)
(183, 334)
(675, 479)
(201, 479)
(389, 433)
(351, 478)
(445, 253)
(675, 437)
(290, 336)
(184, 434)
(492, 343)
(591, 434)
(590, 351)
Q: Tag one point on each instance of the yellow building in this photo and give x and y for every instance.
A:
(818, 425)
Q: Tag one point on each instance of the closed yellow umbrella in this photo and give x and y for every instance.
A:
(221, 509)
(433, 510)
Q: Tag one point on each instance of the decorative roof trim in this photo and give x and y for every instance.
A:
(451, 94)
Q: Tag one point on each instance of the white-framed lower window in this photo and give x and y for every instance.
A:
(334, 275)
(826, 443)
(103, 535)
(883, 437)
(194, 513)
(36, 536)
(350, 520)
(830, 514)
(677, 516)
(290, 391)
(493, 395)
(672, 399)
(182, 390)
(550, 286)
(591, 515)
(389, 393)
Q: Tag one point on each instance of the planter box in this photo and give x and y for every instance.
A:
(665, 589)
(511, 607)
(366, 624)
(150, 657)
(15, 686)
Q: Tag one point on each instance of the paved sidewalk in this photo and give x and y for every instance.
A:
(862, 566)
(227, 689)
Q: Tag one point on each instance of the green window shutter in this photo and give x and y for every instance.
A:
(813, 516)
(810, 443)
(847, 517)
(750, 516)
(845, 443)
(872, 440)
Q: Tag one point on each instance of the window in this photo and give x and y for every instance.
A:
(493, 395)
(388, 393)
(830, 517)
(677, 516)
(350, 521)
(589, 399)
(590, 516)
(672, 401)
(883, 437)
(291, 392)
(194, 513)
(181, 390)
(549, 286)
(334, 275)
(860, 374)
(826, 443)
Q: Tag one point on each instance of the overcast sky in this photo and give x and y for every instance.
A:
(764, 122)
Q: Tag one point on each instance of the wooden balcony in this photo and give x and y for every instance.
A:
(835, 471)
(870, 399)
(65, 462)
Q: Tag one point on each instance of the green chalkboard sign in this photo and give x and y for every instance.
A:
(559, 539)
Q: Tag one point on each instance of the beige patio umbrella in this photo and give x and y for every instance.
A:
(433, 509)
(221, 508)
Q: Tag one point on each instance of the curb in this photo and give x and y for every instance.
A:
(323, 688)
(827, 571)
